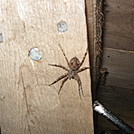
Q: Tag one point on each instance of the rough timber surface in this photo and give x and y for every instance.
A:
(118, 40)
(119, 24)
(27, 104)
(115, 99)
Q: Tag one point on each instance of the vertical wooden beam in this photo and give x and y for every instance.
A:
(91, 25)
(95, 23)
(28, 104)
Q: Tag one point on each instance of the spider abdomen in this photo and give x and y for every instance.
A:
(74, 63)
(71, 74)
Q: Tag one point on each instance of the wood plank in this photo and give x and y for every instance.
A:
(119, 24)
(120, 102)
(28, 104)
(94, 27)
(116, 90)
(119, 64)
(116, 93)
(90, 16)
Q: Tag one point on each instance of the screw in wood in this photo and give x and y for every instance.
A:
(35, 54)
(62, 26)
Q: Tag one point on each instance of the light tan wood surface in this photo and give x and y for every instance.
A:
(27, 104)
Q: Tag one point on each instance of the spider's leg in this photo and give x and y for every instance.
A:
(83, 58)
(83, 69)
(77, 78)
(60, 66)
(64, 54)
(63, 84)
(61, 77)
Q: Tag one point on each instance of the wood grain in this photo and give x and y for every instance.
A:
(28, 105)
(119, 64)
(118, 101)
(117, 92)
(118, 58)
(119, 24)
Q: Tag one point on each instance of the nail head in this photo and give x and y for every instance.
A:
(35, 54)
(62, 26)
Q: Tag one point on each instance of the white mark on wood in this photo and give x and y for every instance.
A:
(66, 0)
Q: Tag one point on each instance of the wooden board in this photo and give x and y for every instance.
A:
(94, 26)
(119, 64)
(116, 93)
(118, 101)
(119, 24)
(27, 104)
(118, 43)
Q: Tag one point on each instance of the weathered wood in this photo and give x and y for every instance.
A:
(90, 16)
(119, 64)
(119, 101)
(117, 92)
(119, 24)
(27, 104)
(94, 27)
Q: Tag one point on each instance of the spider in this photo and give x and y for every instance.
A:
(72, 71)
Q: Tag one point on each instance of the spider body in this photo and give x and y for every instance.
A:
(72, 71)
(74, 63)
(71, 74)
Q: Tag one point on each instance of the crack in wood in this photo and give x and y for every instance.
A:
(119, 50)
(26, 101)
